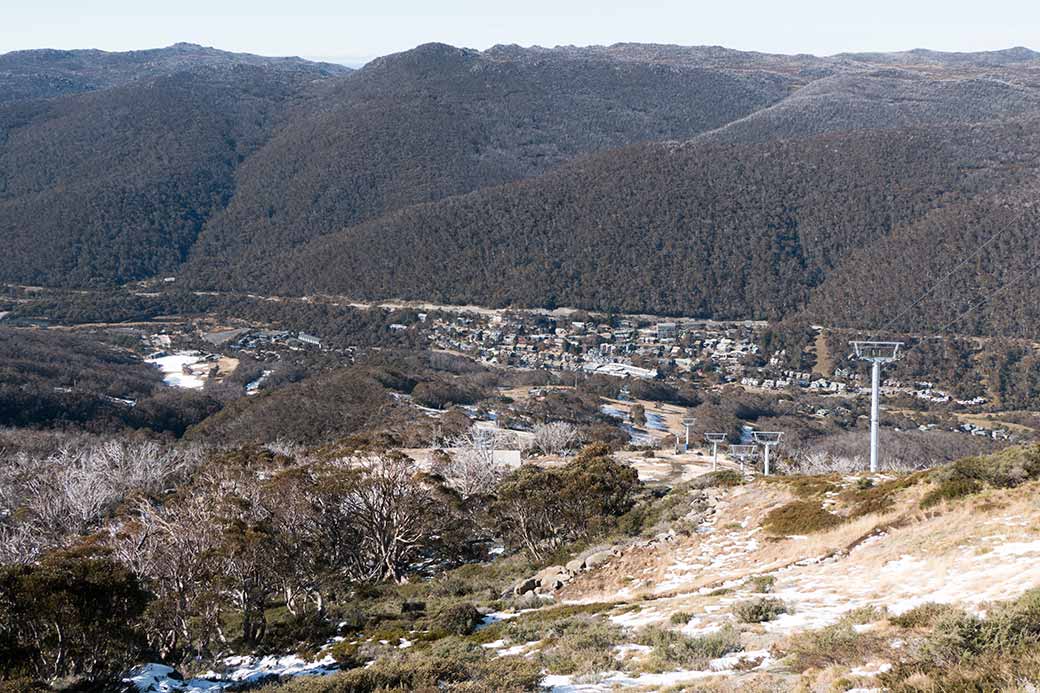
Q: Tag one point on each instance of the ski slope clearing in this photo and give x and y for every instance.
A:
(182, 369)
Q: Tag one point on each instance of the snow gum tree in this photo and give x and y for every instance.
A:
(69, 615)
(539, 510)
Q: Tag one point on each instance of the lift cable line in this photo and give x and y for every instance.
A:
(981, 302)
(964, 261)
(742, 453)
(986, 299)
(945, 277)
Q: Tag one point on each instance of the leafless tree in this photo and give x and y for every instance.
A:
(68, 492)
(470, 467)
(396, 516)
(174, 547)
(555, 438)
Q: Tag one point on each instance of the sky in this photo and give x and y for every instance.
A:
(350, 32)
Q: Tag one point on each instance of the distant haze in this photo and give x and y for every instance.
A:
(353, 32)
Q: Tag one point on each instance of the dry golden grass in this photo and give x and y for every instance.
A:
(874, 560)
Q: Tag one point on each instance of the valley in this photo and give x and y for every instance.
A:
(519, 369)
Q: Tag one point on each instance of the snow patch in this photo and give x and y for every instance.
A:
(178, 371)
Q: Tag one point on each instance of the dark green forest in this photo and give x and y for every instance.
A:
(852, 227)
(670, 180)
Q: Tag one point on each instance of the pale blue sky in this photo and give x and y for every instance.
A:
(351, 32)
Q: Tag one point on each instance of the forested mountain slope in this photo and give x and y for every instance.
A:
(436, 121)
(527, 175)
(115, 185)
(705, 229)
(893, 97)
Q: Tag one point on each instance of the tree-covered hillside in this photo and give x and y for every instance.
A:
(633, 177)
(712, 230)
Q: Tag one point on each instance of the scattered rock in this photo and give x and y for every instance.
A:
(528, 585)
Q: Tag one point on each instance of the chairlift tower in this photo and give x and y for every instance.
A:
(767, 439)
(688, 422)
(715, 439)
(743, 453)
(877, 353)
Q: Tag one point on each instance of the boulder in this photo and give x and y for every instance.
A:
(551, 573)
(575, 565)
(552, 584)
(598, 559)
(524, 586)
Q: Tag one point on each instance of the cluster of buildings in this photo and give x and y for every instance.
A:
(623, 347)
(642, 347)
(253, 339)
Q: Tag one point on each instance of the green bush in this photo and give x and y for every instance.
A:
(673, 650)
(680, 618)
(456, 619)
(951, 489)
(800, 517)
(70, 614)
(1005, 469)
(922, 616)
(759, 610)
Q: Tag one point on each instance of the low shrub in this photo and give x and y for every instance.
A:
(800, 517)
(288, 631)
(864, 614)
(448, 664)
(951, 489)
(347, 654)
(759, 610)
(656, 514)
(680, 618)
(762, 583)
(581, 644)
(953, 636)
(880, 498)
(805, 487)
(1013, 625)
(922, 616)
(837, 644)
(673, 650)
(963, 652)
(722, 478)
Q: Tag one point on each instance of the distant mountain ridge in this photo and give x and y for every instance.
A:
(47, 73)
(551, 171)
